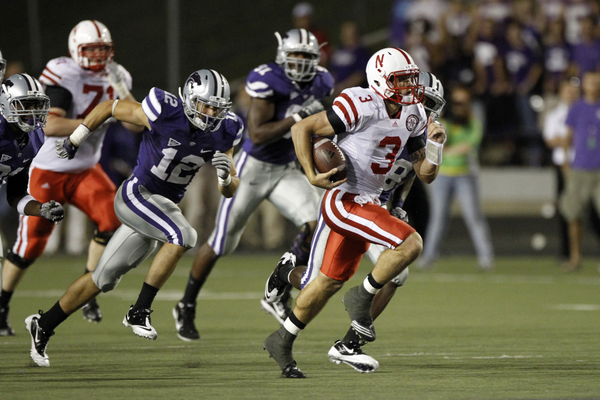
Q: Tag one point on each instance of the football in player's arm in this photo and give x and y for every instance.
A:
(372, 125)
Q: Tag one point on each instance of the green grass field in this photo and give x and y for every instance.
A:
(524, 331)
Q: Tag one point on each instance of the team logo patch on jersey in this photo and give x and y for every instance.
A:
(173, 142)
(411, 122)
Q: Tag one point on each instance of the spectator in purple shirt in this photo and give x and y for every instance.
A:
(557, 56)
(586, 54)
(583, 177)
(349, 61)
(523, 63)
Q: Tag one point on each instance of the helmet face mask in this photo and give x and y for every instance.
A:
(23, 102)
(299, 54)
(403, 88)
(206, 99)
(2, 68)
(90, 45)
(393, 75)
(433, 94)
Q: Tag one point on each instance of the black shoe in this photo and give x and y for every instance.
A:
(92, 312)
(275, 287)
(291, 371)
(39, 340)
(359, 309)
(184, 315)
(352, 354)
(279, 345)
(5, 328)
(139, 320)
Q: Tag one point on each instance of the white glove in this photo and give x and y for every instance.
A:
(52, 211)
(311, 108)
(115, 77)
(399, 213)
(222, 163)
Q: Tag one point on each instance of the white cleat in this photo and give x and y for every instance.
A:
(139, 320)
(39, 341)
(352, 355)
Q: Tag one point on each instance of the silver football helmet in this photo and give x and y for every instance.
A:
(433, 98)
(24, 102)
(2, 68)
(300, 69)
(206, 99)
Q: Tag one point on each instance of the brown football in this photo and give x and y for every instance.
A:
(327, 156)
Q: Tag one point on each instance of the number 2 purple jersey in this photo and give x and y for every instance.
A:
(15, 156)
(269, 82)
(173, 151)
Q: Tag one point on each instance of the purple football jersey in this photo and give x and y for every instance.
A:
(15, 155)
(269, 82)
(172, 151)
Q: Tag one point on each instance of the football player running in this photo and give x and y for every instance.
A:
(75, 86)
(183, 134)
(283, 92)
(24, 108)
(373, 126)
(395, 190)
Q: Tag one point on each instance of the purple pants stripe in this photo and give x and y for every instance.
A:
(150, 213)
(311, 265)
(221, 228)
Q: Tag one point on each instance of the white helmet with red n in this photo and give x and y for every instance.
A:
(393, 74)
(91, 34)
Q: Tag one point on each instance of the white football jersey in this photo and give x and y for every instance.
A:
(373, 140)
(88, 90)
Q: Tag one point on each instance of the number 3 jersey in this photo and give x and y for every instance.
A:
(173, 150)
(373, 140)
(87, 89)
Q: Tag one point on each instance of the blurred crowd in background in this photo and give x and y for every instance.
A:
(512, 56)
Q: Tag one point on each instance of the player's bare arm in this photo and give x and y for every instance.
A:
(424, 168)
(123, 110)
(58, 124)
(261, 126)
(302, 134)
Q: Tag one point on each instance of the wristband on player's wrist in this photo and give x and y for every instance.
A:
(79, 135)
(224, 182)
(300, 115)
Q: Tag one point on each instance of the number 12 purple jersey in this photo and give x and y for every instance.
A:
(174, 150)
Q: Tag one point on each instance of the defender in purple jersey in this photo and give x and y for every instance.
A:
(283, 92)
(23, 110)
(183, 134)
